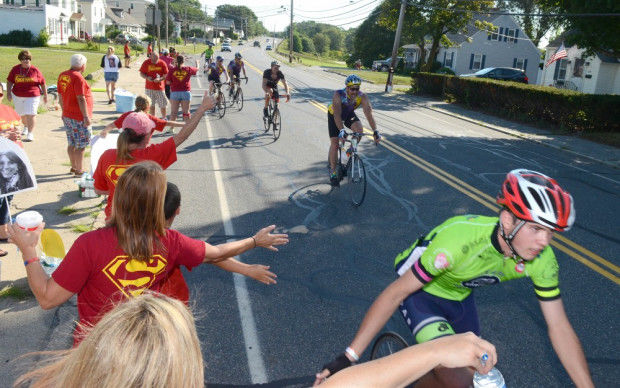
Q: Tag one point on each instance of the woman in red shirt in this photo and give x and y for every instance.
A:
(25, 84)
(132, 254)
(179, 81)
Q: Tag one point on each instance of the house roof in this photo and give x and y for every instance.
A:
(125, 20)
(607, 58)
(22, 7)
(470, 29)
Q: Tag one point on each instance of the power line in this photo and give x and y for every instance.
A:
(332, 9)
(347, 15)
(490, 12)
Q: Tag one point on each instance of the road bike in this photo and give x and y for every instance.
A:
(236, 93)
(273, 118)
(220, 100)
(52, 98)
(386, 344)
(353, 169)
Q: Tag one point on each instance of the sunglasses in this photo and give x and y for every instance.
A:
(354, 89)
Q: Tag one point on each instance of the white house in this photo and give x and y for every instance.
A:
(135, 8)
(598, 74)
(59, 17)
(125, 22)
(476, 48)
(94, 16)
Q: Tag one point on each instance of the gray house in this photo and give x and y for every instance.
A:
(476, 49)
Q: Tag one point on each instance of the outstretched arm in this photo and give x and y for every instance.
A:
(406, 366)
(565, 343)
(188, 128)
(257, 272)
(264, 238)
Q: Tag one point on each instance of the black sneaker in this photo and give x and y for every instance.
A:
(333, 179)
(265, 112)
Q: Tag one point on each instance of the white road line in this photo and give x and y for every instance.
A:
(256, 365)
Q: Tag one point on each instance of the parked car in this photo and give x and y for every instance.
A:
(500, 73)
(226, 47)
(256, 43)
(384, 64)
(122, 38)
(268, 47)
(227, 40)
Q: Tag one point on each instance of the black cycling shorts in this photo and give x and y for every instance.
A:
(348, 122)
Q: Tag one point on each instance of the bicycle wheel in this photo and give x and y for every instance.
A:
(386, 344)
(239, 98)
(267, 120)
(276, 122)
(356, 174)
(221, 105)
(231, 99)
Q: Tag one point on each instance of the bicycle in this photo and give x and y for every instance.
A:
(273, 118)
(52, 98)
(220, 100)
(386, 344)
(237, 93)
(354, 168)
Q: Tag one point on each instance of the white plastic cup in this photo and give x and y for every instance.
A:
(29, 220)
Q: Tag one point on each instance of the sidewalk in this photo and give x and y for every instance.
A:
(24, 326)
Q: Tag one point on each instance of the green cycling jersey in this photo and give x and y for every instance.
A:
(208, 53)
(464, 253)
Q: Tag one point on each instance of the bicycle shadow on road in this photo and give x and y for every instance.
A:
(245, 139)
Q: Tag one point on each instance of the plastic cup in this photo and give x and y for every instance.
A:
(29, 220)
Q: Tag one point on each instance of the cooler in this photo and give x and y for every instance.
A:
(125, 101)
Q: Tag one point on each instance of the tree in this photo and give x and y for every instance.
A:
(336, 38)
(307, 44)
(371, 41)
(595, 34)
(430, 21)
(297, 42)
(244, 18)
(321, 42)
(534, 27)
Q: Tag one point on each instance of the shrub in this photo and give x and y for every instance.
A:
(445, 70)
(532, 103)
(137, 47)
(100, 39)
(179, 40)
(112, 33)
(91, 46)
(43, 38)
(17, 38)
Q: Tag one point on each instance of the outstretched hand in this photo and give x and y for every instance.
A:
(467, 349)
(207, 101)
(265, 239)
(261, 273)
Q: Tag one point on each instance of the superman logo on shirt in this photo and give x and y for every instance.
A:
(114, 171)
(133, 276)
(63, 82)
(180, 74)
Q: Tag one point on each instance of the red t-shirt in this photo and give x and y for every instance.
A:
(126, 49)
(71, 84)
(149, 49)
(109, 169)
(101, 274)
(160, 124)
(168, 59)
(179, 78)
(174, 286)
(26, 81)
(153, 70)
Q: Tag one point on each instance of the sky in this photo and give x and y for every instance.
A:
(275, 14)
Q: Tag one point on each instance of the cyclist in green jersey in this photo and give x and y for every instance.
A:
(438, 273)
(208, 53)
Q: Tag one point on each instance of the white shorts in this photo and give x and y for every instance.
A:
(26, 105)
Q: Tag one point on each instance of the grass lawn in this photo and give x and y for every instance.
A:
(313, 60)
(376, 76)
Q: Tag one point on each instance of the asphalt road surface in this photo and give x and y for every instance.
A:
(234, 179)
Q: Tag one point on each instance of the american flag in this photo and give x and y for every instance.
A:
(561, 53)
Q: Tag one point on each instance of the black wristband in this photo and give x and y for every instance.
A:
(341, 362)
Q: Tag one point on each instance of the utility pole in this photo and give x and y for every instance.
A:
(167, 33)
(399, 29)
(290, 39)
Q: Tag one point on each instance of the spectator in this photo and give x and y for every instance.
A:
(127, 52)
(148, 341)
(179, 81)
(25, 84)
(143, 103)
(111, 64)
(76, 101)
(154, 71)
(149, 49)
(132, 147)
(174, 284)
(168, 59)
(173, 52)
(133, 253)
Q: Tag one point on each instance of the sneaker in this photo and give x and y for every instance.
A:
(29, 136)
(25, 131)
(333, 179)
(265, 112)
(110, 101)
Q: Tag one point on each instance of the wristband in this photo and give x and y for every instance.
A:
(253, 239)
(30, 261)
(352, 353)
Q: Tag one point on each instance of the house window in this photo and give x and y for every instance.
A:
(79, 8)
(131, 5)
(578, 68)
(510, 33)
(449, 57)
(519, 63)
(562, 69)
(47, 1)
(477, 64)
(117, 4)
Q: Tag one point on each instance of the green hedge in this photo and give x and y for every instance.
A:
(531, 103)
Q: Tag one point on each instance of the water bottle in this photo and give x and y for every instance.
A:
(493, 379)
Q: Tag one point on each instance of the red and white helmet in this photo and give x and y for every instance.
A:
(535, 197)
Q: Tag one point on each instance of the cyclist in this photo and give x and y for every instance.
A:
(215, 70)
(438, 273)
(271, 77)
(234, 69)
(208, 54)
(341, 113)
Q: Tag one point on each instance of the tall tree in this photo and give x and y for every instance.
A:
(535, 27)
(244, 18)
(321, 42)
(371, 40)
(595, 34)
(430, 21)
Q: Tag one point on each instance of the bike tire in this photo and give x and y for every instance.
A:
(387, 343)
(239, 99)
(267, 120)
(356, 175)
(276, 122)
(52, 101)
(221, 105)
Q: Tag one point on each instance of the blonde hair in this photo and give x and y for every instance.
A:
(138, 210)
(143, 102)
(146, 341)
(110, 48)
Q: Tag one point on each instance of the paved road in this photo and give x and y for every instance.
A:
(235, 179)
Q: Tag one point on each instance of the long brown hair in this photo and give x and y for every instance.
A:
(138, 209)
(180, 60)
(147, 341)
(127, 137)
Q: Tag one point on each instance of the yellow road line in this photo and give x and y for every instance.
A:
(489, 202)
